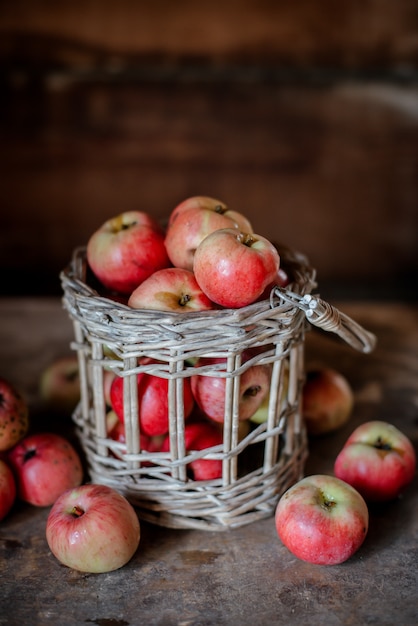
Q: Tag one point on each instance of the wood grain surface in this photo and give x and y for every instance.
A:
(379, 33)
(245, 576)
(303, 115)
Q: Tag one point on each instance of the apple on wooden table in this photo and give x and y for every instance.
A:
(327, 400)
(378, 460)
(44, 464)
(14, 415)
(59, 385)
(93, 528)
(126, 249)
(7, 489)
(322, 520)
(233, 268)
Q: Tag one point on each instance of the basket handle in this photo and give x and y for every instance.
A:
(325, 316)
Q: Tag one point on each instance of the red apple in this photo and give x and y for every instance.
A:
(378, 460)
(116, 431)
(93, 528)
(170, 289)
(44, 465)
(234, 268)
(280, 280)
(59, 385)
(209, 391)
(188, 229)
(14, 415)
(200, 436)
(127, 249)
(153, 407)
(211, 204)
(327, 400)
(7, 489)
(322, 520)
(262, 413)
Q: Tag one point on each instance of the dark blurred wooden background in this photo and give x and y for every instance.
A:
(303, 115)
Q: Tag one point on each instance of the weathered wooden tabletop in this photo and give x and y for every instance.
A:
(238, 577)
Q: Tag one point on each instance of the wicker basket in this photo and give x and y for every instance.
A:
(257, 467)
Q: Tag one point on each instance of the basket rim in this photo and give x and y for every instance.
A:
(74, 279)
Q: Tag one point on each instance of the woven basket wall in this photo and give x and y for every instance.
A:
(257, 466)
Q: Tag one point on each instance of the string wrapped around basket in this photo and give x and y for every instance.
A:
(257, 465)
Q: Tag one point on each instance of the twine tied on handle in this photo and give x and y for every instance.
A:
(325, 316)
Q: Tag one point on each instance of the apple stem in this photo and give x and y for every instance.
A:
(72, 376)
(76, 511)
(252, 391)
(127, 226)
(382, 445)
(221, 209)
(117, 224)
(29, 454)
(327, 503)
(247, 239)
(184, 300)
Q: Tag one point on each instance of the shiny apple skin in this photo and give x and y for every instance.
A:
(93, 528)
(172, 289)
(210, 391)
(125, 250)
(44, 465)
(378, 460)
(153, 409)
(189, 229)
(211, 204)
(234, 268)
(322, 520)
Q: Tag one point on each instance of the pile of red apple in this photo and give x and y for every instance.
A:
(207, 258)
(324, 519)
(91, 528)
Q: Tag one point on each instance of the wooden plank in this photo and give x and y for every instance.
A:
(329, 170)
(240, 577)
(101, 33)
